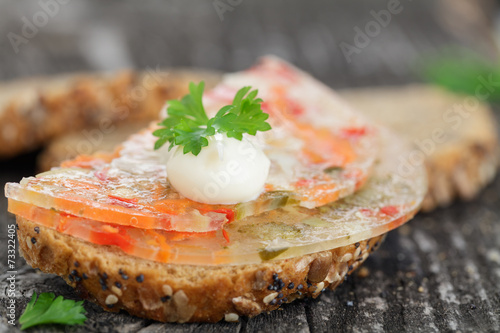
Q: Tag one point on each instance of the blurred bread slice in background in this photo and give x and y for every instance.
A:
(38, 110)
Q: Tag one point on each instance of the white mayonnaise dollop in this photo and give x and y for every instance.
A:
(227, 171)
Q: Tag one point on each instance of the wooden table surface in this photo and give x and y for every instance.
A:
(439, 272)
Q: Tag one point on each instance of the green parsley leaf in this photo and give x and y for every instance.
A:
(187, 123)
(243, 116)
(48, 310)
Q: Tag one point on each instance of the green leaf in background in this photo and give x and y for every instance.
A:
(47, 310)
(467, 75)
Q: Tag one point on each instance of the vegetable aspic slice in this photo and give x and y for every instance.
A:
(320, 151)
(390, 198)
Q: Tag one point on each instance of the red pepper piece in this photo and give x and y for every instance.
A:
(226, 235)
(389, 210)
(353, 132)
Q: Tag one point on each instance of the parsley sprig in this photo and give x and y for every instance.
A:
(188, 125)
(48, 310)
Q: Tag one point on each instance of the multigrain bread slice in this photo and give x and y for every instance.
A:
(34, 111)
(289, 253)
(184, 293)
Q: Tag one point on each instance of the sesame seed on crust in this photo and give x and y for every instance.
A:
(111, 299)
(270, 297)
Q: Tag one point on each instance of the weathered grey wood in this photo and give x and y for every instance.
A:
(440, 272)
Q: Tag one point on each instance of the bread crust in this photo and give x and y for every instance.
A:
(460, 173)
(183, 293)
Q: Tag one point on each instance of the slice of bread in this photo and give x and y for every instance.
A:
(34, 111)
(183, 293)
(303, 261)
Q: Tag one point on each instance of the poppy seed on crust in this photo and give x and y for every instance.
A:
(122, 274)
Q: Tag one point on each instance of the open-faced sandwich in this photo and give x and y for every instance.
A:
(265, 189)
